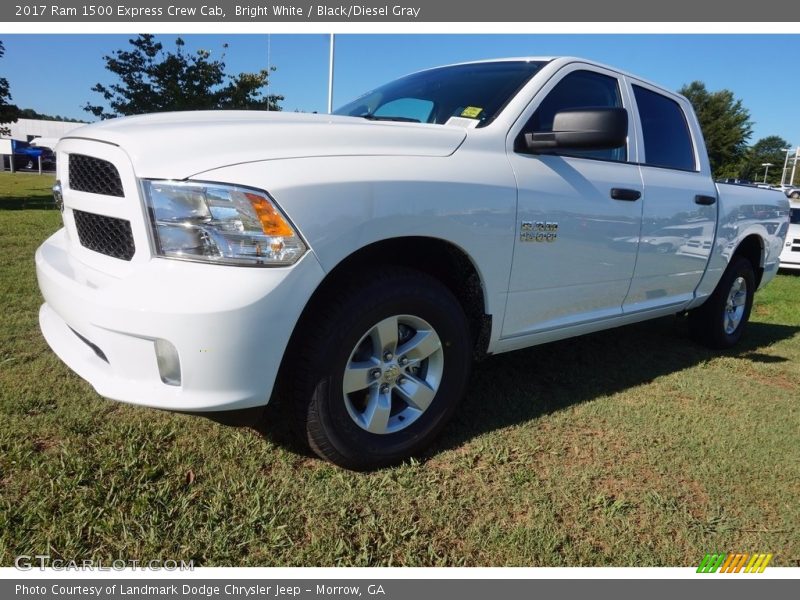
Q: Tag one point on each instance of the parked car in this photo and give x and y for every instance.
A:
(735, 180)
(790, 257)
(357, 262)
(792, 191)
(27, 157)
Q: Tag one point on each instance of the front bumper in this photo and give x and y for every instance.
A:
(230, 326)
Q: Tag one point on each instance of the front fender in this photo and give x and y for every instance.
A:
(342, 204)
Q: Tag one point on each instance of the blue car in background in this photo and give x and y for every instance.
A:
(27, 156)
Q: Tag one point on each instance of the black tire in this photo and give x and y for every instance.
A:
(707, 323)
(331, 337)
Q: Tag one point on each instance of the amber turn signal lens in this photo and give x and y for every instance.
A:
(271, 221)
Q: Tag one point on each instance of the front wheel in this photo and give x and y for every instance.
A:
(383, 368)
(720, 321)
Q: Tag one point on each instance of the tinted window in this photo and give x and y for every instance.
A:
(411, 108)
(579, 89)
(667, 142)
(474, 91)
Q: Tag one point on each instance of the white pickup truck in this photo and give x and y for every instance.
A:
(358, 262)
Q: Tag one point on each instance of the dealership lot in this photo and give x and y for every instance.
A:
(633, 447)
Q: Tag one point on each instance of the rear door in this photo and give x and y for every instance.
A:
(576, 244)
(680, 202)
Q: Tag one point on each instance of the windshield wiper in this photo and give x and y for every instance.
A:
(389, 118)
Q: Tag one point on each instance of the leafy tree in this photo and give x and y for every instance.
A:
(29, 113)
(9, 113)
(726, 127)
(154, 80)
(766, 150)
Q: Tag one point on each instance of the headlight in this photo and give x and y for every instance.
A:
(219, 223)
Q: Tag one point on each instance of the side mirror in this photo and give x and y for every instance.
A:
(583, 129)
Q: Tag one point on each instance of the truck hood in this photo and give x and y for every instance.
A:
(181, 144)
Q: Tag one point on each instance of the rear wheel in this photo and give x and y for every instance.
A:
(720, 321)
(382, 369)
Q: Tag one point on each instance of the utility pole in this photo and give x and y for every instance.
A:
(330, 78)
(269, 66)
(785, 164)
(766, 170)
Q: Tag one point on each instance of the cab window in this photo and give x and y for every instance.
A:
(667, 142)
(578, 89)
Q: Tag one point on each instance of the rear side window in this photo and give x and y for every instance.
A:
(579, 89)
(667, 142)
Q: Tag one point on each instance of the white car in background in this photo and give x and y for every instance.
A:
(792, 192)
(790, 257)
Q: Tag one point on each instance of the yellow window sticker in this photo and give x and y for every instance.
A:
(471, 112)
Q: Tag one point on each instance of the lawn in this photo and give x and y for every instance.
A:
(632, 447)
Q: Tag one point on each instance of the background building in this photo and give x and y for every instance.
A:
(18, 144)
(27, 129)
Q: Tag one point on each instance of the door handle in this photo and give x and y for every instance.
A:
(704, 200)
(625, 194)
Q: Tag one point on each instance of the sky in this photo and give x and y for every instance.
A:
(53, 74)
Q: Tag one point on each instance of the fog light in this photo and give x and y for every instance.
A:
(169, 365)
(58, 195)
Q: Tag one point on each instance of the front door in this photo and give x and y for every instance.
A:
(578, 215)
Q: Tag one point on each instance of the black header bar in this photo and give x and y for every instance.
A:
(404, 11)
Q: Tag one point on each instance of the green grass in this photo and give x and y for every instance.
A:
(26, 190)
(631, 447)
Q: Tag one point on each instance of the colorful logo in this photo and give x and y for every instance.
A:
(734, 563)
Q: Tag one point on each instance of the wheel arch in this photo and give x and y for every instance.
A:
(439, 258)
(752, 248)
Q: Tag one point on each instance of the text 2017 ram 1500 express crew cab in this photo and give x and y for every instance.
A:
(363, 259)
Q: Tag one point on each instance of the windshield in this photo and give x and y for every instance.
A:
(477, 91)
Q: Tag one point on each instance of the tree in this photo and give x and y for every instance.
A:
(29, 113)
(9, 113)
(726, 127)
(770, 149)
(154, 80)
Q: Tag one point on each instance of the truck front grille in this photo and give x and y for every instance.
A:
(106, 235)
(94, 175)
